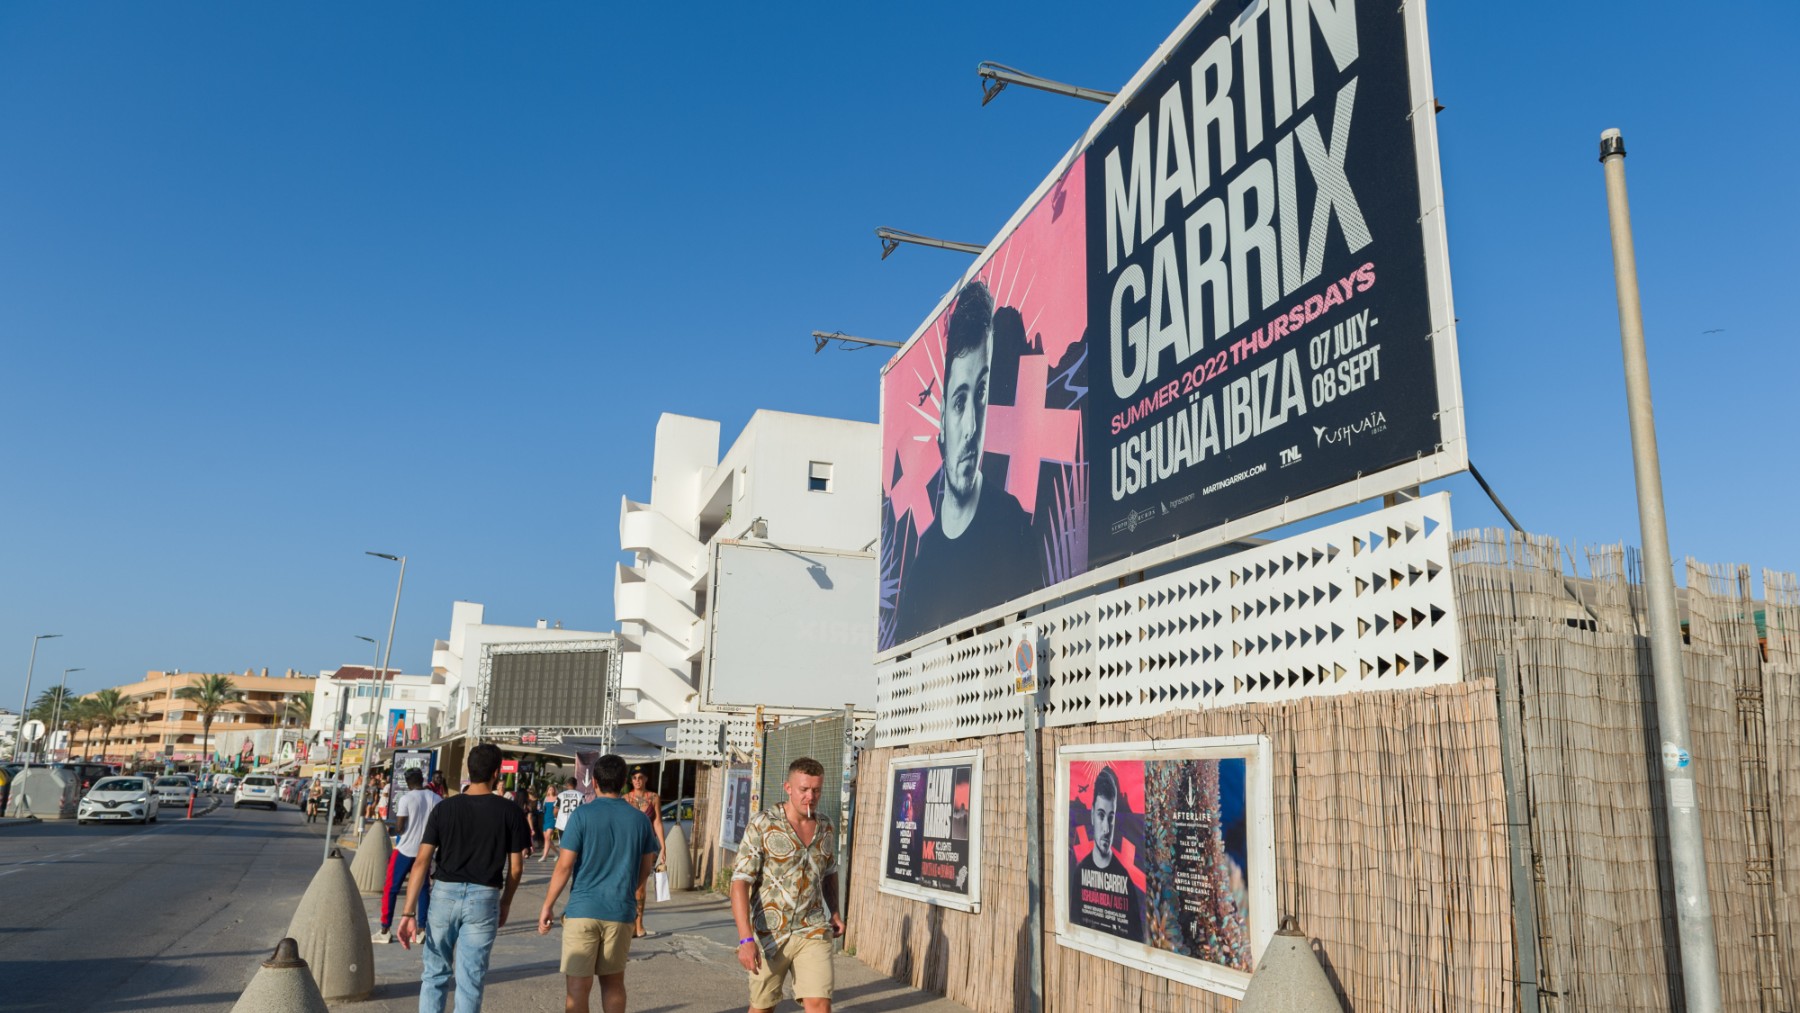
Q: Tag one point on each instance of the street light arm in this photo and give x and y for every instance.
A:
(892, 238)
(998, 76)
(849, 342)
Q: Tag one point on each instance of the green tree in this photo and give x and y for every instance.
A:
(111, 709)
(78, 719)
(209, 696)
(45, 709)
(299, 709)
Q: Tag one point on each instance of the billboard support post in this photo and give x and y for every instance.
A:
(1026, 682)
(846, 811)
(1687, 846)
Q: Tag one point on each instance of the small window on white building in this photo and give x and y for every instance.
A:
(818, 477)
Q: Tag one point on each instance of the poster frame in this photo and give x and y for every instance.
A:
(971, 902)
(725, 810)
(1452, 456)
(1259, 790)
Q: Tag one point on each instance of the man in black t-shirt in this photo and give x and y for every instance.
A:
(980, 549)
(478, 839)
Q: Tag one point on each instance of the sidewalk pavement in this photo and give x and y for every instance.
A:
(689, 965)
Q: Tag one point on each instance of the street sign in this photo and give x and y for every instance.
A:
(1024, 659)
(32, 730)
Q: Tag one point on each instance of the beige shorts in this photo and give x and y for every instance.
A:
(591, 946)
(808, 960)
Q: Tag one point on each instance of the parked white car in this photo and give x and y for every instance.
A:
(119, 799)
(257, 789)
(175, 790)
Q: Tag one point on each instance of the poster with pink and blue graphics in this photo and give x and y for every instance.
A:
(984, 467)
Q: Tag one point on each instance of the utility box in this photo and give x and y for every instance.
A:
(45, 792)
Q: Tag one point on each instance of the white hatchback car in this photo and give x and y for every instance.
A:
(119, 799)
(175, 790)
(257, 789)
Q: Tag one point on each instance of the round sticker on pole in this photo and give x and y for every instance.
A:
(1024, 659)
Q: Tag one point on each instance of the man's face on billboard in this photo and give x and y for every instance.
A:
(964, 420)
(1102, 822)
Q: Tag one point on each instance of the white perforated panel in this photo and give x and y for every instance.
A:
(1364, 604)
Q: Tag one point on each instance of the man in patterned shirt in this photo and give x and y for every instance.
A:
(783, 890)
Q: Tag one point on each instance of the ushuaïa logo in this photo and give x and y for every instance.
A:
(1368, 425)
(1131, 520)
(1290, 455)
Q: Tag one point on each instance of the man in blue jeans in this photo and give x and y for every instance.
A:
(478, 839)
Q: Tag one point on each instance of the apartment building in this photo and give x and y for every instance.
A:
(167, 725)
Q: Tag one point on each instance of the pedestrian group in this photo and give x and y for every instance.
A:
(458, 862)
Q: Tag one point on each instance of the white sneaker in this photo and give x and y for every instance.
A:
(384, 937)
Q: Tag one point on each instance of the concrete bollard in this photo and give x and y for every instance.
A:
(331, 928)
(1288, 978)
(675, 859)
(370, 866)
(282, 985)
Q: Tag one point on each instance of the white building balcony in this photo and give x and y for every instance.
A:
(643, 529)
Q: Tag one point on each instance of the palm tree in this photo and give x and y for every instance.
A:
(45, 709)
(111, 708)
(209, 696)
(299, 709)
(78, 716)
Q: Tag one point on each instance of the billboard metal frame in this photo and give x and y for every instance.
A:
(484, 684)
(709, 658)
(1452, 455)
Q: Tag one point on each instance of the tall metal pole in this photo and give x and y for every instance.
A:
(381, 683)
(62, 694)
(1687, 847)
(25, 707)
(337, 767)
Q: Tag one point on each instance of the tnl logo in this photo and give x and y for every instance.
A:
(1291, 455)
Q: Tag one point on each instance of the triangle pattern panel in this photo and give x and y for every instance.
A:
(1362, 605)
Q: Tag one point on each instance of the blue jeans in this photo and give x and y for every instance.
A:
(464, 919)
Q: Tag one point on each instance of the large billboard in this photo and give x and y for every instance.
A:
(1164, 856)
(1228, 309)
(547, 685)
(789, 628)
(931, 829)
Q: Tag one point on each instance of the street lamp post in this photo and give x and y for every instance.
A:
(381, 685)
(25, 707)
(60, 695)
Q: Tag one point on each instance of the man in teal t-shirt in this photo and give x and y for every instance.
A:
(608, 850)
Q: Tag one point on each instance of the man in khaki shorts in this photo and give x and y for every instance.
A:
(783, 889)
(608, 850)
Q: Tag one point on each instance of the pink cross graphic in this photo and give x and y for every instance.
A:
(1029, 433)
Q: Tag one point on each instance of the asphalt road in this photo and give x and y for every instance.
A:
(172, 917)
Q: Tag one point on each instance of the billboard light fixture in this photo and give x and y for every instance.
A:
(848, 342)
(892, 238)
(996, 76)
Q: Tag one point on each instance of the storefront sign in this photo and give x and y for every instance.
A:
(1165, 856)
(931, 829)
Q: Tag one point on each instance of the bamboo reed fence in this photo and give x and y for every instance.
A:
(1394, 861)
(1578, 648)
(1390, 814)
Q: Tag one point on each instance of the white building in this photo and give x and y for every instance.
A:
(457, 659)
(414, 706)
(791, 484)
(9, 730)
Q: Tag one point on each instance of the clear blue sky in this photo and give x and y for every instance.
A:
(288, 282)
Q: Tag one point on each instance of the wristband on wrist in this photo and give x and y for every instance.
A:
(746, 939)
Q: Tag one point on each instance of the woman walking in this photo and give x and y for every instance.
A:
(650, 804)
